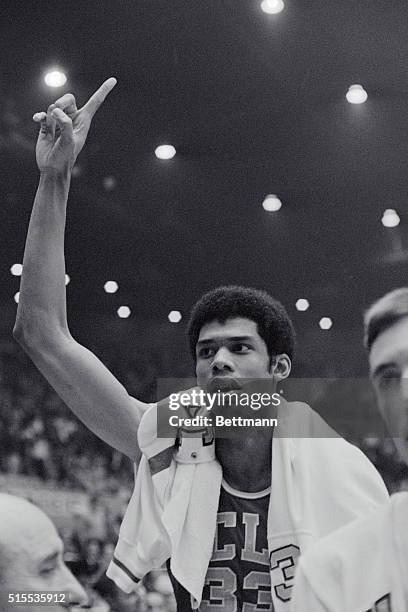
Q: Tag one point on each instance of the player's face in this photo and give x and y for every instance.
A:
(389, 372)
(37, 565)
(229, 351)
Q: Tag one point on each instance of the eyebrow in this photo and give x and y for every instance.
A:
(228, 339)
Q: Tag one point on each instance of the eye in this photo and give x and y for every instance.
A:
(391, 372)
(205, 352)
(47, 571)
(240, 347)
(389, 376)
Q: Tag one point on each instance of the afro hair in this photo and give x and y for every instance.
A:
(222, 303)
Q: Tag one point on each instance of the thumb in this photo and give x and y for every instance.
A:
(64, 123)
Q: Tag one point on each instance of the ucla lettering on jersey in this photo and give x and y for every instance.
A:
(238, 578)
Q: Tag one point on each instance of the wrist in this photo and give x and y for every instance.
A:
(54, 175)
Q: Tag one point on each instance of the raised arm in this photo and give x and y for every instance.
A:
(81, 380)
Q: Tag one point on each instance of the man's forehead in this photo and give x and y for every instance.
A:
(30, 533)
(233, 327)
(390, 346)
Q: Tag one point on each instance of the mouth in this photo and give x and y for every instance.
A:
(223, 384)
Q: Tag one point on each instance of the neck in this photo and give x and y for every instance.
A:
(246, 463)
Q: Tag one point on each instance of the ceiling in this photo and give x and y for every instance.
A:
(254, 104)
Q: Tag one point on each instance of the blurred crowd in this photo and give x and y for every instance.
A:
(42, 440)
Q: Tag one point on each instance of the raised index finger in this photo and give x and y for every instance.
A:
(99, 96)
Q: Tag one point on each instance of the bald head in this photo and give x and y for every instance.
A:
(21, 523)
(31, 551)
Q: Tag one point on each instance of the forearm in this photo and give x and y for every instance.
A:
(42, 303)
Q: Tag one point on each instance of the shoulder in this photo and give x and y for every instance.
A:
(355, 567)
(299, 420)
(343, 553)
(316, 440)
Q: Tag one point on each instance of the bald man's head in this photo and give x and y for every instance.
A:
(31, 552)
(23, 527)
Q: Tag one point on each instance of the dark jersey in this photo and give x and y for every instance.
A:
(238, 578)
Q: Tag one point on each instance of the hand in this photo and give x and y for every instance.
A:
(182, 404)
(64, 129)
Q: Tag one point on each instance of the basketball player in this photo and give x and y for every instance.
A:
(234, 333)
(363, 567)
(31, 561)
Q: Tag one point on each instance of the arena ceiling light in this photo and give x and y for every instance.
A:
(123, 312)
(325, 323)
(302, 304)
(111, 286)
(16, 269)
(17, 297)
(356, 94)
(272, 203)
(67, 279)
(165, 151)
(174, 316)
(390, 218)
(109, 183)
(272, 7)
(55, 78)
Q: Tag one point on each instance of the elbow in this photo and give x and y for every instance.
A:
(28, 332)
(36, 336)
(17, 332)
(22, 335)
(21, 325)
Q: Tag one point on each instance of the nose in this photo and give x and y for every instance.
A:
(76, 592)
(222, 361)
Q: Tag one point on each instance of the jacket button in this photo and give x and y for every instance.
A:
(194, 455)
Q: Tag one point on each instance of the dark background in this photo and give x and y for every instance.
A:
(255, 104)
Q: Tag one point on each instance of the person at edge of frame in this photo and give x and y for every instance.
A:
(363, 567)
(32, 569)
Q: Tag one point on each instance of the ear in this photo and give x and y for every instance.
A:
(281, 366)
